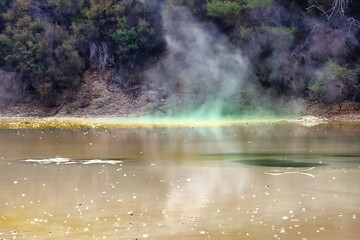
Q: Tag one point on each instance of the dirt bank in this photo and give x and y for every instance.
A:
(344, 110)
(96, 97)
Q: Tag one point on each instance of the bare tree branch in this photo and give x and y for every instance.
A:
(320, 9)
(339, 7)
(354, 23)
(100, 53)
(93, 51)
(308, 37)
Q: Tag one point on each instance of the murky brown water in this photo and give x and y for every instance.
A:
(181, 183)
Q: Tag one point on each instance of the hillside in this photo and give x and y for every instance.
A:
(97, 98)
(216, 57)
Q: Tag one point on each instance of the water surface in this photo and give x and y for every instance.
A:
(254, 182)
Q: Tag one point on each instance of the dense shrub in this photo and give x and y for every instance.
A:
(295, 47)
(220, 8)
(226, 8)
(10, 87)
(335, 82)
(47, 42)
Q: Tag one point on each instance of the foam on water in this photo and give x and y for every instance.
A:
(68, 161)
(57, 160)
(100, 161)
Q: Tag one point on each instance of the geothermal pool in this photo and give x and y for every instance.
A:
(276, 181)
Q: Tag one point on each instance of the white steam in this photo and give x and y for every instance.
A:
(202, 71)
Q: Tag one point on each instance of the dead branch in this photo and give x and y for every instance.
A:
(320, 9)
(338, 7)
(93, 51)
(59, 108)
(100, 53)
(354, 23)
(308, 37)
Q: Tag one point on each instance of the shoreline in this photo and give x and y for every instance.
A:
(96, 99)
(142, 122)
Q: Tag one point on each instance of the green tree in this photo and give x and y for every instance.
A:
(131, 41)
(104, 14)
(66, 11)
(227, 8)
(85, 33)
(127, 39)
(17, 10)
(223, 8)
(25, 53)
(5, 48)
(65, 66)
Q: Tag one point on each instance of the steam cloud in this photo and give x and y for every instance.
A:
(206, 75)
(202, 71)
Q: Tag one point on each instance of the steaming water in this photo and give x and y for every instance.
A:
(181, 183)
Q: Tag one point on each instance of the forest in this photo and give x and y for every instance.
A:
(285, 48)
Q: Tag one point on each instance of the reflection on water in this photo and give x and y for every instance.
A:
(180, 183)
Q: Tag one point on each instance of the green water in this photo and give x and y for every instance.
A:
(245, 182)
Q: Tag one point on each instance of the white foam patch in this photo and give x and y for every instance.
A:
(69, 161)
(100, 161)
(56, 160)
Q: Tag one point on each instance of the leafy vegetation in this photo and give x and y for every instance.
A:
(47, 42)
(131, 41)
(335, 82)
(221, 8)
(281, 30)
(302, 48)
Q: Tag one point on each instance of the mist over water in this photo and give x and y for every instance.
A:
(204, 75)
(263, 56)
(204, 65)
(268, 70)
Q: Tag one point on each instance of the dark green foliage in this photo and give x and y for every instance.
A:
(41, 53)
(127, 39)
(25, 52)
(131, 41)
(84, 32)
(5, 48)
(47, 42)
(335, 82)
(222, 8)
(66, 11)
(227, 8)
